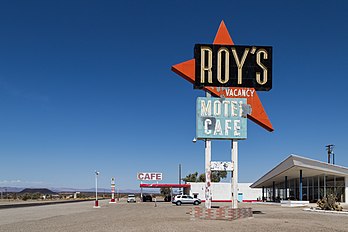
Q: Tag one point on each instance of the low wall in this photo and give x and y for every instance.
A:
(290, 203)
(222, 213)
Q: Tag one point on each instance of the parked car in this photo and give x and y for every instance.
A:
(185, 199)
(131, 198)
(147, 198)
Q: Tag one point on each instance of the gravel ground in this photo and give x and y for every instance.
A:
(165, 217)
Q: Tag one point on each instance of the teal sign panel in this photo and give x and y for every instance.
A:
(221, 118)
(240, 197)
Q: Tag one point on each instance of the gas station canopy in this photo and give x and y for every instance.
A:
(164, 185)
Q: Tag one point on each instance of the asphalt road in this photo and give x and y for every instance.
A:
(165, 217)
(18, 204)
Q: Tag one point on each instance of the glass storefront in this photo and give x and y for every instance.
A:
(313, 188)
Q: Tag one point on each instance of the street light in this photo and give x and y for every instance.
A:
(96, 205)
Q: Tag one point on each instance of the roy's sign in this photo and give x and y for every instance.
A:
(149, 176)
(187, 70)
(221, 118)
(233, 66)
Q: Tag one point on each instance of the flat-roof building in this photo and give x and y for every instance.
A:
(222, 192)
(303, 179)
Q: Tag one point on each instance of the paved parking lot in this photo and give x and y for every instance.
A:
(165, 217)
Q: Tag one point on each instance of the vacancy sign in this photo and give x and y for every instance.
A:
(221, 118)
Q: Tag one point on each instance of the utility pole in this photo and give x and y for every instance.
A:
(179, 173)
(329, 149)
(180, 177)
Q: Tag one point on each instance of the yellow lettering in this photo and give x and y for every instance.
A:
(240, 63)
(206, 67)
(264, 68)
(227, 65)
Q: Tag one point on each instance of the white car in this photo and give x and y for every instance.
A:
(185, 199)
(131, 198)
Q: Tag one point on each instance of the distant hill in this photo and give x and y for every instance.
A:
(104, 190)
(59, 190)
(101, 190)
(44, 191)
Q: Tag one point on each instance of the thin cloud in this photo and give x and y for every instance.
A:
(10, 181)
(20, 182)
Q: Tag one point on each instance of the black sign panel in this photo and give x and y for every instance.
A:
(233, 66)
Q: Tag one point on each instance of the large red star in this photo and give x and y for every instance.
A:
(187, 71)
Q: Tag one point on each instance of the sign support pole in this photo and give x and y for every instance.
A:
(141, 192)
(207, 170)
(112, 191)
(234, 181)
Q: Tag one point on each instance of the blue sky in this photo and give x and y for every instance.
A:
(87, 85)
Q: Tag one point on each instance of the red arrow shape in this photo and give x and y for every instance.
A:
(187, 71)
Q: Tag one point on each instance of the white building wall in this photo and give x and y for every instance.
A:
(223, 192)
(197, 188)
(346, 184)
(249, 194)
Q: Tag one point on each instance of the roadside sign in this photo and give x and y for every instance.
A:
(187, 71)
(233, 66)
(149, 176)
(220, 118)
(221, 166)
(233, 74)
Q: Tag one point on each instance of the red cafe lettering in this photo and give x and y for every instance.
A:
(149, 176)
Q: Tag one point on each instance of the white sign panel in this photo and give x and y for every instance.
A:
(221, 166)
(221, 118)
(149, 176)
